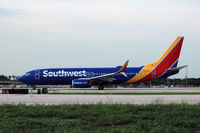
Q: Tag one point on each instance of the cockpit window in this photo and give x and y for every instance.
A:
(27, 74)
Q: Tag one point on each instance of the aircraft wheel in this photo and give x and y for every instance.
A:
(38, 91)
(44, 90)
(101, 87)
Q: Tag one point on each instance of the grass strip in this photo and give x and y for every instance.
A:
(107, 118)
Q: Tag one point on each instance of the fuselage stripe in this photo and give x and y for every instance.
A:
(168, 68)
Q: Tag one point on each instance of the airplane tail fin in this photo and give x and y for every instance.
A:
(163, 65)
(170, 58)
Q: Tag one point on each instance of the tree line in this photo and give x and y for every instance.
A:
(8, 78)
(178, 81)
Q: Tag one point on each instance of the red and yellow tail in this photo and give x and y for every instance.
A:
(171, 55)
(158, 68)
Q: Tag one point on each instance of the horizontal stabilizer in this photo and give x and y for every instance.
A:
(177, 68)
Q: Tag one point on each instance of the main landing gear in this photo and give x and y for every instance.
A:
(44, 91)
(39, 91)
(100, 87)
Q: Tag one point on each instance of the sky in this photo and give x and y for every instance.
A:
(96, 33)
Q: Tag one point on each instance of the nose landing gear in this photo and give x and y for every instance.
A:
(100, 87)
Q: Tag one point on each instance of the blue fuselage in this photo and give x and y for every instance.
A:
(65, 76)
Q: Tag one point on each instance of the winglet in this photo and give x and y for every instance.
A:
(123, 67)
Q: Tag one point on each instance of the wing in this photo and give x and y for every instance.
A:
(109, 77)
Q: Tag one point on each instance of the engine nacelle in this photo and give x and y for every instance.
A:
(80, 83)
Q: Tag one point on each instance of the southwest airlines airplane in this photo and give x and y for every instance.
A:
(164, 67)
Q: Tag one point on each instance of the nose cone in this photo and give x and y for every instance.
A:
(21, 78)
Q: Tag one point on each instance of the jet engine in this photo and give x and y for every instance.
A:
(80, 83)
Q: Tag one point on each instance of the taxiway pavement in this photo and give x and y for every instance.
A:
(126, 90)
(49, 99)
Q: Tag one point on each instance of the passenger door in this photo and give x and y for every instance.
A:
(37, 74)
